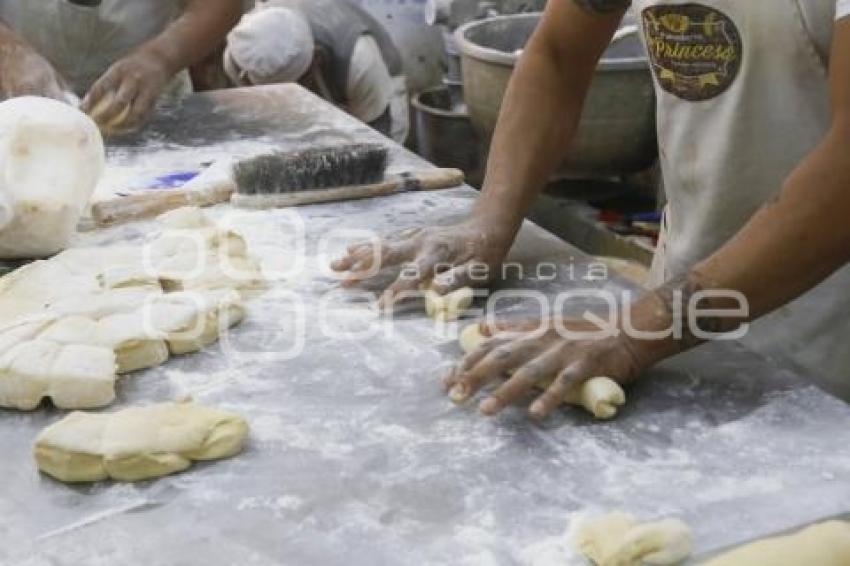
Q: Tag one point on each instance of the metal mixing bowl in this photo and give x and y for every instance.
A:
(444, 134)
(616, 135)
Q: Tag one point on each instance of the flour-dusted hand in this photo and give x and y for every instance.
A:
(124, 96)
(24, 72)
(449, 257)
(543, 355)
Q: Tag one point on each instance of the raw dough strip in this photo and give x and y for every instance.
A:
(600, 396)
(618, 539)
(138, 443)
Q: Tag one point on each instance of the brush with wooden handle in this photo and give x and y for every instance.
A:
(283, 179)
(322, 175)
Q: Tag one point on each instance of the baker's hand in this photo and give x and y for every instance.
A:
(463, 255)
(534, 353)
(24, 72)
(124, 96)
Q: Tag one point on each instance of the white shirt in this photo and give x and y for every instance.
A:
(370, 86)
(842, 9)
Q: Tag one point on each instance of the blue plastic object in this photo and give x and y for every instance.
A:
(172, 180)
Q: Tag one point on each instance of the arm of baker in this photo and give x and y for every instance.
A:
(806, 227)
(128, 90)
(538, 119)
(23, 71)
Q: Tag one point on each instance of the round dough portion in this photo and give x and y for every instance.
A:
(113, 126)
(450, 307)
(600, 396)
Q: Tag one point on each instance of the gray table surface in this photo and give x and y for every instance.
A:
(356, 456)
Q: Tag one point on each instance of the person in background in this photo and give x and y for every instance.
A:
(334, 48)
(119, 56)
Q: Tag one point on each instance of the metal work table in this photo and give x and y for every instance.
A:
(357, 457)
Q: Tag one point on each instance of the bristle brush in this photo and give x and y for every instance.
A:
(328, 174)
(281, 179)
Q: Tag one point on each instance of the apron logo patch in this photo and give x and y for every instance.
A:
(695, 50)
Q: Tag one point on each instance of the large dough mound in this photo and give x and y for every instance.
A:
(138, 443)
(51, 158)
(600, 396)
(138, 304)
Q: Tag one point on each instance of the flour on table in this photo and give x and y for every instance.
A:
(137, 443)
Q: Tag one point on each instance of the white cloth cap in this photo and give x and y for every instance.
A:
(269, 45)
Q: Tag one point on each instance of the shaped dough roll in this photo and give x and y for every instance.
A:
(135, 346)
(600, 396)
(601, 537)
(204, 258)
(72, 376)
(618, 539)
(192, 320)
(448, 307)
(138, 443)
(826, 544)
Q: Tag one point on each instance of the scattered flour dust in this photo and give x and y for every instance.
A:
(278, 506)
(550, 551)
(268, 428)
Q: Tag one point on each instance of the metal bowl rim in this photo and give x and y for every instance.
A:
(421, 106)
(494, 56)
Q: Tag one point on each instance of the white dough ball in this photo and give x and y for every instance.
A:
(51, 159)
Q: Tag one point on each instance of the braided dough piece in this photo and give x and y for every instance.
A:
(600, 396)
(618, 539)
(138, 443)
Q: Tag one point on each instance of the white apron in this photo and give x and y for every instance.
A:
(82, 42)
(742, 99)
